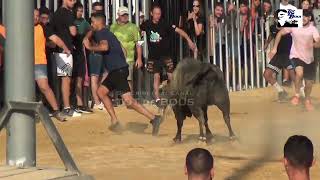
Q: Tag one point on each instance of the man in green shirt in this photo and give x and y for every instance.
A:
(128, 34)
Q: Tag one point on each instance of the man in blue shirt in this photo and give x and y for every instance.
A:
(115, 63)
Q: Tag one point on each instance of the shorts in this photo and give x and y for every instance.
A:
(280, 61)
(131, 66)
(117, 81)
(40, 71)
(96, 64)
(79, 65)
(156, 66)
(309, 70)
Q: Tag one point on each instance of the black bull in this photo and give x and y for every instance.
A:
(194, 87)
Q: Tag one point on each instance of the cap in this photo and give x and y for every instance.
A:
(123, 10)
(307, 13)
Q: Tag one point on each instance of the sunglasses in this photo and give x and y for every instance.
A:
(196, 5)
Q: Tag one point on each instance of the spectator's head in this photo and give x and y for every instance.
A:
(36, 16)
(256, 3)
(298, 156)
(44, 15)
(244, 9)
(219, 10)
(123, 13)
(305, 4)
(199, 164)
(196, 7)
(97, 6)
(316, 4)
(307, 14)
(98, 21)
(156, 13)
(267, 7)
(78, 9)
(69, 3)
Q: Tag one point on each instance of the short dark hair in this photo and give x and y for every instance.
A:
(99, 15)
(44, 10)
(307, 13)
(97, 4)
(244, 2)
(298, 150)
(267, 1)
(154, 6)
(219, 4)
(199, 161)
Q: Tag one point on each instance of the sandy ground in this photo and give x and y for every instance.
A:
(261, 124)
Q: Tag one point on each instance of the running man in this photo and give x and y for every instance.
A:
(301, 55)
(279, 61)
(116, 65)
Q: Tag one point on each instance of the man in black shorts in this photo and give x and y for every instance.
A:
(158, 38)
(279, 61)
(301, 55)
(116, 65)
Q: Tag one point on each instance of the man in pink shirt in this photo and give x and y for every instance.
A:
(301, 55)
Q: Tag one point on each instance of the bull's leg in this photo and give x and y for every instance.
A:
(177, 139)
(209, 135)
(225, 108)
(199, 115)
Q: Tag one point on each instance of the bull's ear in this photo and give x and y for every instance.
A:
(200, 75)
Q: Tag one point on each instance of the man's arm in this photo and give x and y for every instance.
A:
(281, 33)
(102, 46)
(56, 40)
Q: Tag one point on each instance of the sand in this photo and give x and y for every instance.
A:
(261, 124)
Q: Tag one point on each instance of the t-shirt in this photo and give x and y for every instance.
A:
(82, 28)
(39, 45)
(114, 58)
(61, 21)
(158, 38)
(302, 42)
(128, 34)
(285, 42)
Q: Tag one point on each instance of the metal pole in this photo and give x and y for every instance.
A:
(19, 82)
(257, 53)
(206, 5)
(3, 12)
(263, 54)
(38, 3)
(47, 3)
(55, 5)
(106, 10)
(121, 3)
(213, 36)
(136, 12)
(114, 10)
(238, 45)
(233, 53)
(130, 11)
(220, 45)
(180, 40)
(226, 47)
(251, 48)
(148, 76)
(90, 7)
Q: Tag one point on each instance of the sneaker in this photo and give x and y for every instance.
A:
(155, 125)
(282, 96)
(295, 100)
(116, 127)
(308, 105)
(71, 113)
(59, 116)
(83, 109)
(99, 107)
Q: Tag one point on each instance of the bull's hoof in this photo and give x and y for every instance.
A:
(202, 139)
(177, 140)
(232, 138)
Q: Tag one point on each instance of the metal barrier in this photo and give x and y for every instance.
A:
(244, 60)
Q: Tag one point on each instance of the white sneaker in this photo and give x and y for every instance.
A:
(99, 107)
